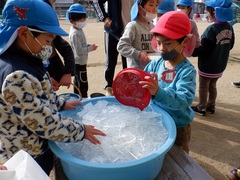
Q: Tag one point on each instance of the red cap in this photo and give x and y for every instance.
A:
(173, 25)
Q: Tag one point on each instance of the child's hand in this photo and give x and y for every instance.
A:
(3, 167)
(72, 104)
(66, 80)
(54, 84)
(107, 22)
(94, 46)
(90, 133)
(144, 57)
(151, 83)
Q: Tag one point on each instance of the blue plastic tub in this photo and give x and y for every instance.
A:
(146, 168)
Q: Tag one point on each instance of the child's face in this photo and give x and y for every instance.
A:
(26, 38)
(184, 9)
(165, 44)
(78, 21)
(151, 6)
(211, 17)
(43, 38)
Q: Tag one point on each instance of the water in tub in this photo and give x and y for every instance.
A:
(131, 134)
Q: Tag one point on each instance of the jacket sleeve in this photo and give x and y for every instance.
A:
(100, 10)
(124, 46)
(65, 50)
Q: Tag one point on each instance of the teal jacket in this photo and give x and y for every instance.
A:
(177, 96)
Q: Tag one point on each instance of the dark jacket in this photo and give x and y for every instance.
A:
(213, 53)
(9, 62)
(114, 13)
(56, 67)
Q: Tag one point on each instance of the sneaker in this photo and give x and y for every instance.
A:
(210, 110)
(195, 109)
(109, 91)
(236, 84)
(234, 174)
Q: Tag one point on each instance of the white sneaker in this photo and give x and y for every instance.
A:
(109, 91)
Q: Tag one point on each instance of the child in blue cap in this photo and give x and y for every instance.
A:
(186, 7)
(29, 106)
(163, 7)
(213, 53)
(77, 17)
(135, 43)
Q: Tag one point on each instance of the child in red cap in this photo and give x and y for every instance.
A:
(173, 78)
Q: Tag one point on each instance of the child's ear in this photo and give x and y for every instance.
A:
(71, 21)
(186, 40)
(23, 32)
(140, 9)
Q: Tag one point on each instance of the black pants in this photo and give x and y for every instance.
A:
(111, 58)
(45, 161)
(81, 80)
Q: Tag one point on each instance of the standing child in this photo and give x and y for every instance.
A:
(186, 7)
(77, 17)
(172, 83)
(216, 43)
(29, 107)
(135, 43)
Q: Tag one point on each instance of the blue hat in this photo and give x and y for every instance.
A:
(185, 3)
(223, 9)
(75, 8)
(18, 13)
(165, 6)
(134, 10)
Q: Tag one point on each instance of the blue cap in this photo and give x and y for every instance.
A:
(185, 3)
(75, 8)
(165, 6)
(219, 3)
(134, 10)
(223, 9)
(18, 13)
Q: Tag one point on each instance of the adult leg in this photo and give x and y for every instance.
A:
(111, 58)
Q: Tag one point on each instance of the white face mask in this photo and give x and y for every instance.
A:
(80, 25)
(44, 54)
(149, 16)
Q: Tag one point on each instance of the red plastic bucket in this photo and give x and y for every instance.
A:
(128, 91)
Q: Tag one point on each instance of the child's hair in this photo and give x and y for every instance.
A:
(210, 10)
(143, 2)
(179, 40)
(77, 16)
